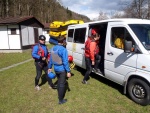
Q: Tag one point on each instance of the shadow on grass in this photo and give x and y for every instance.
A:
(102, 79)
(67, 88)
(44, 80)
(108, 82)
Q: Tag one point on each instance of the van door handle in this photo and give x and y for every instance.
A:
(110, 53)
(83, 48)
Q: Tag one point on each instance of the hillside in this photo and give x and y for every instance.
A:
(45, 11)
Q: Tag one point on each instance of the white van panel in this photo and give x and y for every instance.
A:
(118, 62)
(76, 49)
(142, 63)
(78, 54)
(69, 48)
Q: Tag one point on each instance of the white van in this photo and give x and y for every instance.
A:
(129, 67)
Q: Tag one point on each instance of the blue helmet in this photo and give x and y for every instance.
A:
(51, 75)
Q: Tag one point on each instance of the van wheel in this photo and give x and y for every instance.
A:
(139, 91)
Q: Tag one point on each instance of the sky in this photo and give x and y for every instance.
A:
(91, 8)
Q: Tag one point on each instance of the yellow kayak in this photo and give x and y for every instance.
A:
(63, 33)
(57, 34)
(58, 26)
(70, 22)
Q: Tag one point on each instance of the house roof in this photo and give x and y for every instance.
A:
(15, 20)
(46, 25)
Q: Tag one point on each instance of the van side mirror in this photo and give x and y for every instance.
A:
(128, 47)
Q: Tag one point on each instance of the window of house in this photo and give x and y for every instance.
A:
(13, 31)
(119, 35)
(79, 36)
(70, 35)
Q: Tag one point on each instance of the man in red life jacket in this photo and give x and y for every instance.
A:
(40, 54)
(91, 54)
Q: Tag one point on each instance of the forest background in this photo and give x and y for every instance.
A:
(47, 11)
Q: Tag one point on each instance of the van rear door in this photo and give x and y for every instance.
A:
(75, 43)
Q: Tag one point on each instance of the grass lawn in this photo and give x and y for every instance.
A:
(100, 96)
(8, 59)
(17, 94)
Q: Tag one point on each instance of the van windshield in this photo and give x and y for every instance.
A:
(142, 31)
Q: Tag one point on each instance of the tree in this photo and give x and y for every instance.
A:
(102, 16)
(118, 14)
(45, 11)
(137, 9)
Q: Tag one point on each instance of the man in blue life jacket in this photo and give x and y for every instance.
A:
(40, 54)
(59, 58)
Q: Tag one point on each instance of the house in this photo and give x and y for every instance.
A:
(46, 31)
(19, 33)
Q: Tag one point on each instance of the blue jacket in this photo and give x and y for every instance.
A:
(36, 49)
(62, 52)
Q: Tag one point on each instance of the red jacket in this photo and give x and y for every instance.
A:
(91, 48)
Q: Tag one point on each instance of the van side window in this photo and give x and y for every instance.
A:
(70, 35)
(118, 36)
(79, 36)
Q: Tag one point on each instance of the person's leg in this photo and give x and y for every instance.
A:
(61, 87)
(38, 75)
(58, 82)
(45, 68)
(88, 68)
(97, 62)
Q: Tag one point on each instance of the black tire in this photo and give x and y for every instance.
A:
(139, 91)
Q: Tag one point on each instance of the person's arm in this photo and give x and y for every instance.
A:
(46, 52)
(35, 52)
(92, 50)
(45, 55)
(65, 61)
(50, 64)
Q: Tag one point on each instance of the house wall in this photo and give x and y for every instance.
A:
(30, 31)
(40, 30)
(28, 35)
(3, 38)
(7, 40)
(14, 39)
(14, 42)
(46, 34)
(20, 36)
(31, 35)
